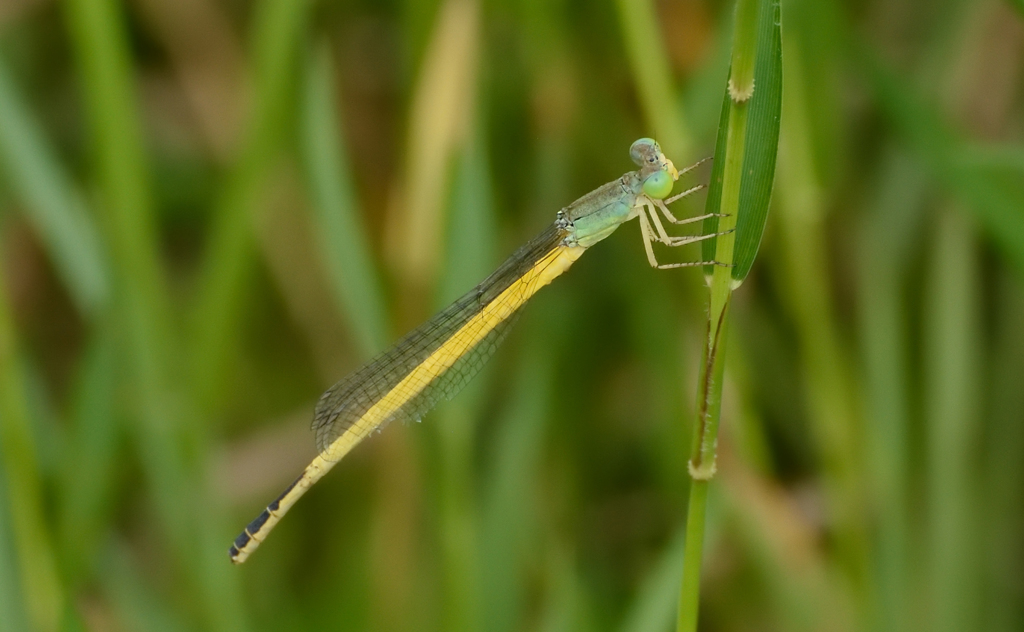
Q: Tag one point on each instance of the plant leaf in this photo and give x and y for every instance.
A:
(762, 140)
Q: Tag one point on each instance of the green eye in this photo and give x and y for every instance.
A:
(658, 185)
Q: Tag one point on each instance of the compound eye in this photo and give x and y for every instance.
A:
(644, 151)
(658, 185)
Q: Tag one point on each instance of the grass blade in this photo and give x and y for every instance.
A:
(438, 126)
(509, 515)
(805, 276)
(655, 605)
(469, 252)
(1004, 469)
(40, 583)
(278, 29)
(343, 241)
(951, 360)
(12, 601)
(761, 148)
(56, 209)
(888, 235)
(740, 190)
(89, 464)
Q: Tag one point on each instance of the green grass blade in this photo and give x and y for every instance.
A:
(762, 139)
(1003, 531)
(91, 456)
(951, 397)
(655, 605)
(344, 244)
(888, 235)
(470, 246)
(55, 208)
(40, 583)
(438, 125)
(98, 34)
(230, 255)
(509, 515)
(12, 602)
(567, 605)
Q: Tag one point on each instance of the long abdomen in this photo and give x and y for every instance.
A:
(404, 382)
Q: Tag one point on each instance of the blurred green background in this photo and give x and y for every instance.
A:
(210, 210)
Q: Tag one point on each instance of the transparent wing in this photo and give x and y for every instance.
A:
(343, 407)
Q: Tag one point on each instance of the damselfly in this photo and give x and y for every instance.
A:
(438, 358)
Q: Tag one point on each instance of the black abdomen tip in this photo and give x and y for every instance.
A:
(240, 542)
(258, 523)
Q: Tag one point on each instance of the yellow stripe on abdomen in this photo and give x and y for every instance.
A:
(476, 328)
(443, 358)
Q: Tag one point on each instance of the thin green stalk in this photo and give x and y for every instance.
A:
(709, 395)
(689, 596)
(746, 181)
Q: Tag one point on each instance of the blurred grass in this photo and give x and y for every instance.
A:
(344, 246)
(198, 235)
(90, 463)
(227, 265)
(951, 384)
(830, 392)
(100, 41)
(651, 67)
(12, 600)
(37, 567)
(54, 206)
(888, 235)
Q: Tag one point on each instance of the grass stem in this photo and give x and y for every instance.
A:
(702, 463)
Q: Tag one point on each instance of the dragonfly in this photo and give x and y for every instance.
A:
(438, 358)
